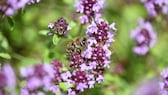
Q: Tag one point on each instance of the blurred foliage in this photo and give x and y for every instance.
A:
(24, 41)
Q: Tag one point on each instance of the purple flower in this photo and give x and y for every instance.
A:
(54, 88)
(90, 9)
(8, 80)
(60, 27)
(34, 1)
(163, 4)
(141, 50)
(101, 31)
(80, 80)
(37, 76)
(3, 80)
(84, 67)
(156, 6)
(92, 65)
(98, 6)
(76, 60)
(97, 54)
(87, 53)
(99, 58)
(9, 7)
(65, 76)
(34, 83)
(84, 19)
(40, 93)
(145, 37)
(24, 91)
(10, 75)
(100, 78)
(88, 66)
(51, 25)
(148, 87)
(81, 86)
(71, 92)
(91, 84)
(57, 66)
(164, 82)
(25, 72)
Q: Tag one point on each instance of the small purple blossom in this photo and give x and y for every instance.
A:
(145, 37)
(54, 88)
(84, 19)
(81, 87)
(100, 78)
(71, 92)
(91, 84)
(65, 76)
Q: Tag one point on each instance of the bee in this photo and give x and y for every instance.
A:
(80, 42)
(72, 49)
(75, 46)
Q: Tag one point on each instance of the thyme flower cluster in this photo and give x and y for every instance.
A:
(144, 36)
(91, 9)
(9, 7)
(156, 6)
(8, 80)
(59, 27)
(37, 77)
(86, 67)
(164, 82)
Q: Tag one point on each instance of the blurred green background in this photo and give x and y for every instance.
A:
(24, 41)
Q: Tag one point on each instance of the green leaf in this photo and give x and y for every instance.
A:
(5, 55)
(43, 32)
(10, 21)
(55, 39)
(64, 86)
